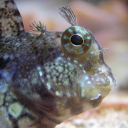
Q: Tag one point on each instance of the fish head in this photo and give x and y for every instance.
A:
(74, 70)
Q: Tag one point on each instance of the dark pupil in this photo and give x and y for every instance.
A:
(76, 40)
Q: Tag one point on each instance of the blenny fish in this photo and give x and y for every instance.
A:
(46, 78)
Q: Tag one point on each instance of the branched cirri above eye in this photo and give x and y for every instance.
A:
(68, 15)
(76, 40)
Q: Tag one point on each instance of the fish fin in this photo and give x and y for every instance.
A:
(44, 108)
(36, 105)
(10, 19)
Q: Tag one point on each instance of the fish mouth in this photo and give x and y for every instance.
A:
(94, 86)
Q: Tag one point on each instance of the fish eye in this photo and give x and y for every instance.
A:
(76, 41)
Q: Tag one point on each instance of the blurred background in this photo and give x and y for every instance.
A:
(108, 21)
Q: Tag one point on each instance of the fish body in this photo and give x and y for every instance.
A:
(47, 78)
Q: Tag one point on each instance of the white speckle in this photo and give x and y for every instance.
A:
(40, 73)
(66, 82)
(49, 86)
(66, 71)
(15, 110)
(48, 76)
(99, 69)
(57, 74)
(39, 68)
(60, 77)
(89, 82)
(84, 71)
(69, 64)
(52, 67)
(92, 52)
(34, 81)
(80, 65)
(54, 79)
(5, 56)
(56, 63)
(53, 73)
(86, 78)
(47, 69)
(60, 69)
(68, 94)
(57, 93)
(65, 76)
(95, 74)
(75, 61)
(92, 78)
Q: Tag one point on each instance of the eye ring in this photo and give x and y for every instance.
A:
(76, 41)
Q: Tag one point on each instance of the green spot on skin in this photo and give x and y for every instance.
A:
(77, 28)
(40, 73)
(65, 38)
(70, 31)
(68, 58)
(57, 93)
(60, 69)
(66, 71)
(66, 82)
(88, 37)
(48, 86)
(34, 81)
(92, 53)
(81, 50)
(80, 65)
(67, 45)
(75, 61)
(54, 79)
(60, 77)
(88, 45)
(15, 110)
(56, 63)
(84, 71)
(84, 32)
(48, 76)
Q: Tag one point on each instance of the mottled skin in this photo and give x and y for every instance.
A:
(41, 85)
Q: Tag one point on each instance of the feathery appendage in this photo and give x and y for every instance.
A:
(37, 27)
(68, 15)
